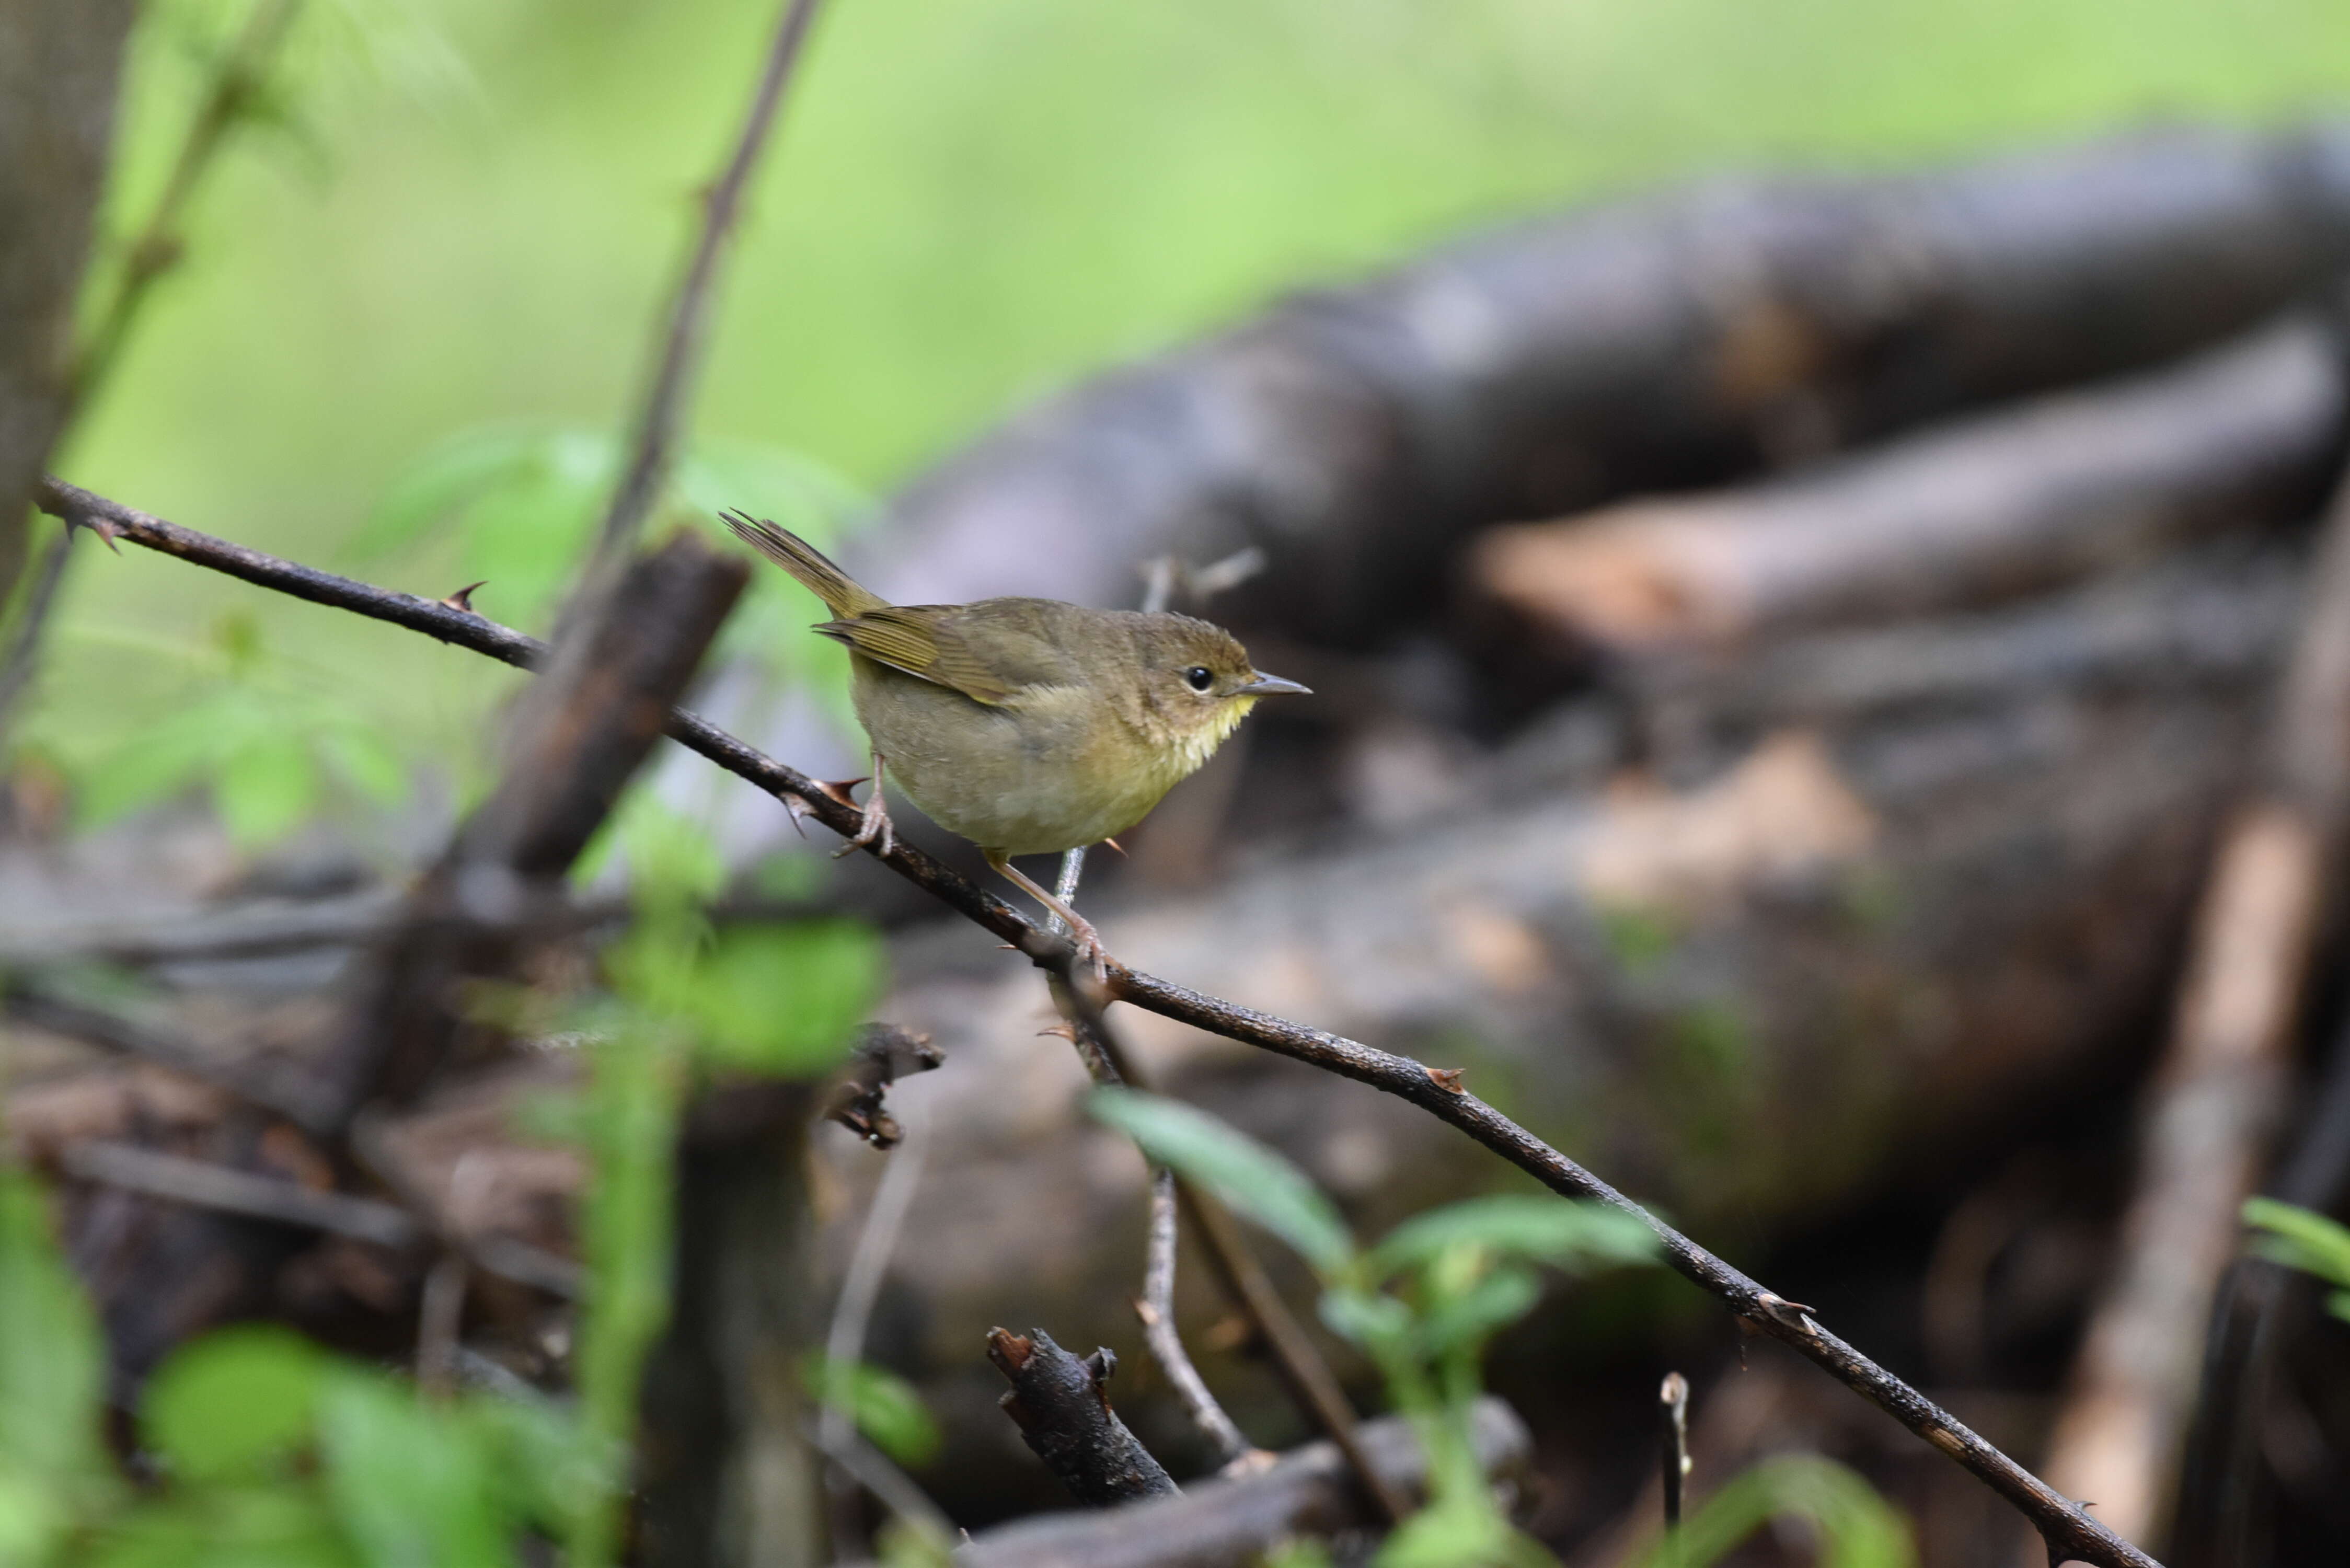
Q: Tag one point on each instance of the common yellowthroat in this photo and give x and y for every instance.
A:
(1027, 726)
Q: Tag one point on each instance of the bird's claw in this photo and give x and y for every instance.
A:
(873, 828)
(1089, 943)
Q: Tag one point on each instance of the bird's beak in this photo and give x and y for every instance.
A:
(1268, 685)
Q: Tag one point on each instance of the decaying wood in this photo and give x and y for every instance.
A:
(1228, 1523)
(1358, 435)
(1061, 1403)
(2063, 487)
(59, 60)
(2217, 1090)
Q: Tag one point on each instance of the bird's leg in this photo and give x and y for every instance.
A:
(1081, 931)
(873, 821)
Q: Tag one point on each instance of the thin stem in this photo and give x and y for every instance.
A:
(2069, 1528)
(662, 410)
(1672, 1415)
(236, 83)
(860, 1289)
(1157, 1311)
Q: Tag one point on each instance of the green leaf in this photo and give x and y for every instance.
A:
(543, 1462)
(1248, 1176)
(280, 1526)
(781, 999)
(32, 1517)
(1366, 1317)
(1500, 1298)
(1859, 1529)
(412, 1486)
(366, 762)
(266, 787)
(1558, 1231)
(2300, 1239)
(447, 479)
(1465, 1531)
(884, 1406)
(52, 1364)
(239, 1403)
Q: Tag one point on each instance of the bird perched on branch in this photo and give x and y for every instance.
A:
(1027, 726)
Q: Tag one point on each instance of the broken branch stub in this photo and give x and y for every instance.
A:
(1060, 1404)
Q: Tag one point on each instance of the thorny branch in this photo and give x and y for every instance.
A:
(2064, 1525)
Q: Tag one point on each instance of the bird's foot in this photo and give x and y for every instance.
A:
(873, 827)
(1086, 940)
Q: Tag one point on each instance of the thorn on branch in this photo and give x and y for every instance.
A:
(1446, 1079)
(463, 599)
(1789, 1314)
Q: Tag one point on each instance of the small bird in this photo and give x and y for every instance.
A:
(1027, 726)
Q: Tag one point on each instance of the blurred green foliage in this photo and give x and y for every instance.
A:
(462, 217)
(269, 1452)
(1857, 1528)
(885, 1406)
(2305, 1240)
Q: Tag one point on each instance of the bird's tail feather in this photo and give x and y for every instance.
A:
(841, 594)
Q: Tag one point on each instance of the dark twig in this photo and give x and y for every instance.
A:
(1673, 1417)
(1236, 1519)
(440, 1319)
(200, 1184)
(2068, 1529)
(1058, 1400)
(664, 405)
(1156, 1310)
(22, 661)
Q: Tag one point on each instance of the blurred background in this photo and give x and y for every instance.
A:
(1802, 521)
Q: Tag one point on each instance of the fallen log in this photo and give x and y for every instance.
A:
(2022, 498)
(1358, 434)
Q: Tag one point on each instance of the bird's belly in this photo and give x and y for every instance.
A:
(1008, 780)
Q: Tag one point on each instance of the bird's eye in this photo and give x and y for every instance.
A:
(1199, 678)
